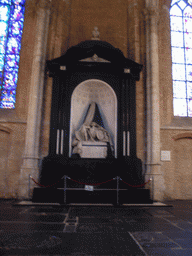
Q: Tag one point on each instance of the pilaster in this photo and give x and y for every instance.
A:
(153, 164)
(133, 31)
(30, 164)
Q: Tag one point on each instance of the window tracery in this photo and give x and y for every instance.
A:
(11, 28)
(181, 46)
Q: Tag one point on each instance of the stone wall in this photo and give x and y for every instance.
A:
(175, 131)
(13, 122)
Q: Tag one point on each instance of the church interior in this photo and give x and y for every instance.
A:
(72, 44)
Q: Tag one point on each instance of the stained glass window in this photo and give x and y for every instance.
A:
(181, 45)
(11, 27)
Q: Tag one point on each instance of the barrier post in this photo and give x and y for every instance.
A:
(65, 187)
(29, 186)
(152, 188)
(117, 190)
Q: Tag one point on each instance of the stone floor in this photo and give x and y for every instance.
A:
(96, 230)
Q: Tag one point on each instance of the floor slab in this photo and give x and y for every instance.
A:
(95, 230)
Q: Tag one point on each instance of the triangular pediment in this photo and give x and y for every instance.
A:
(95, 58)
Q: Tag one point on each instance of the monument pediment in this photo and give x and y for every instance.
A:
(92, 52)
(95, 58)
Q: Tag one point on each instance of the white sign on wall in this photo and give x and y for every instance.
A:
(165, 155)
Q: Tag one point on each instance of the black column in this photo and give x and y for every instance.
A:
(54, 115)
(132, 116)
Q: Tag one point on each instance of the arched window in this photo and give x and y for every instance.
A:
(11, 27)
(181, 45)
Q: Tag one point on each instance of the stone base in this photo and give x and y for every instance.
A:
(156, 186)
(26, 185)
(94, 149)
(129, 196)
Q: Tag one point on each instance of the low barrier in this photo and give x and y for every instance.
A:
(89, 186)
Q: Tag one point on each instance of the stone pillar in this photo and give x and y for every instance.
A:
(133, 31)
(134, 53)
(166, 91)
(30, 164)
(153, 110)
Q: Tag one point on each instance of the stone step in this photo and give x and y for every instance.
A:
(131, 196)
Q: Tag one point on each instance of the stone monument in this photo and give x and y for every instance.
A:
(91, 140)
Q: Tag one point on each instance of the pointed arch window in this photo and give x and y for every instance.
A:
(11, 28)
(181, 46)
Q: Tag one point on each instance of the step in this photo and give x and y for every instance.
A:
(131, 196)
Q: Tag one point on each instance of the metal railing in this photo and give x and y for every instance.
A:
(91, 187)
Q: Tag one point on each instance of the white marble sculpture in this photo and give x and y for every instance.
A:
(96, 34)
(90, 132)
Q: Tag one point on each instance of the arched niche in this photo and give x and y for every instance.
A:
(98, 91)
